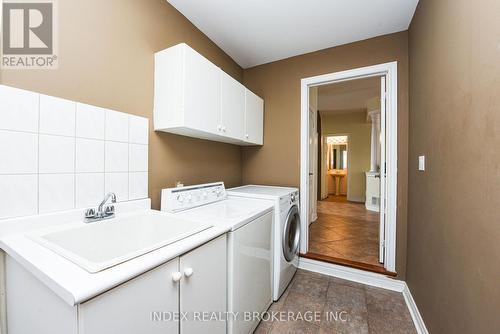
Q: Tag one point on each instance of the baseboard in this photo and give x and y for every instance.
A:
(356, 199)
(368, 278)
(351, 274)
(415, 314)
(372, 208)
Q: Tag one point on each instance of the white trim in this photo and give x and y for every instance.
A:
(351, 274)
(414, 312)
(371, 279)
(390, 71)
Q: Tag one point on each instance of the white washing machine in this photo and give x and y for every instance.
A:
(286, 230)
(249, 244)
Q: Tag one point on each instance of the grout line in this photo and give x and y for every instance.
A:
(128, 157)
(74, 170)
(20, 131)
(104, 154)
(38, 160)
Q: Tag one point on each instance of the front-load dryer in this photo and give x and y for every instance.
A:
(286, 230)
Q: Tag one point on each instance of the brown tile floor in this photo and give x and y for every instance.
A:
(359, 308)
(345, 230)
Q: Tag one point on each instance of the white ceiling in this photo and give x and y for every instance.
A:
(255, 32)
(347, 95)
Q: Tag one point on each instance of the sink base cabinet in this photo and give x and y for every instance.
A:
(205, 289)
(150, 303)
(34, 308)
(129, 308)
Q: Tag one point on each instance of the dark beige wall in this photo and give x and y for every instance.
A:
(106, 58)
(277, 162)
(453, 266)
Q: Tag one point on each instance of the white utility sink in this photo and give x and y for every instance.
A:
(103, 244)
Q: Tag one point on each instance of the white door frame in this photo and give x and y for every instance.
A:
(390, 71)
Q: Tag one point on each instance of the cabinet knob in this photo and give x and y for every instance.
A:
(223, 128)
(188, 272)
(246, 136)
(176, 277)
(219, 127)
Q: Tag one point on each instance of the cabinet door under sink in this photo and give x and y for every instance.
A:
(203, 287)
(128, 308)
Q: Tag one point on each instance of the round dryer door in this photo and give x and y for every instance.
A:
(291, 234)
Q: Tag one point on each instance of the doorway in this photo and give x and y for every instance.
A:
(348, 179)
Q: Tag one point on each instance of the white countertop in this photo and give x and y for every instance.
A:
(74, 284)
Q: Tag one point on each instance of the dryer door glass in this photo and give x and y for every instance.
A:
(291, 234)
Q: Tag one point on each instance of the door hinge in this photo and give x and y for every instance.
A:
(382, 243)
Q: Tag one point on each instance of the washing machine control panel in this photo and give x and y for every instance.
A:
(183, 198)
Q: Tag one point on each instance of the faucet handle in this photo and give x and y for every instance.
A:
(110, 209)
(89, 213)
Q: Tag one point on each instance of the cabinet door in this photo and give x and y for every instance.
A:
(205, 289)
(254, 118)
(201, 92)
(232, 110)
(142, 305)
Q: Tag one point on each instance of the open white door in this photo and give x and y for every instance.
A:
(382, 169)
(324, 167)
(313, 166)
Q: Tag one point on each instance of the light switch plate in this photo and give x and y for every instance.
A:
(421, 163)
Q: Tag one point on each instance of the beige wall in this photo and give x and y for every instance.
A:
(106, 58)
(354, 124)
(454, 214)
(277, 162)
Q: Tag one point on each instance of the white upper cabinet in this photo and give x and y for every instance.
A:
(254, 118)
(187, 91)
(195, 98)
(232, 111)
(201, 92)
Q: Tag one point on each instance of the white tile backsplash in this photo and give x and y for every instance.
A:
(18, 109)
(138, 185)
(138, 129)
(89, 155)
(89, 189)
(57, 116)
(90, 121)
(54, 154)
(138, 158)
(18, 152)
(57, 154)
(117, 183)
(116, 157)
(18, 195)
(116, 128)
(56, 192)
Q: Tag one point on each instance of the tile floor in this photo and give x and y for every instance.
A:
(359, 308)
(345, 230)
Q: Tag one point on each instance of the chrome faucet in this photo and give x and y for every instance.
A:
(103, 212)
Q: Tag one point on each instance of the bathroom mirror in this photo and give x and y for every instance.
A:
(337, 152)
(339, 157)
